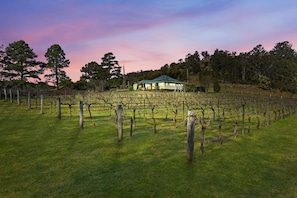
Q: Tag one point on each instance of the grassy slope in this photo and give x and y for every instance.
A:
(43, 157)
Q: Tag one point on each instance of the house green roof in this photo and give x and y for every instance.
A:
(163, 78)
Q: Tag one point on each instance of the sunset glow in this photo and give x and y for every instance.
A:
(146, 35)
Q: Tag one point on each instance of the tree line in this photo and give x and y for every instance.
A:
(19, 68)
(274, 69)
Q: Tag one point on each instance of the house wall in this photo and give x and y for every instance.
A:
(170, 86)
(160, 86)
(148, 86)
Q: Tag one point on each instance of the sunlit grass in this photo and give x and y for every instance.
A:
(41, 156)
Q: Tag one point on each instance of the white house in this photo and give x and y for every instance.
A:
(163, 82)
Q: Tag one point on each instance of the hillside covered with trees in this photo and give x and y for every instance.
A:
(274, 69)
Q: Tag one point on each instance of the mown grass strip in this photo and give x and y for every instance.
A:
(41, 156)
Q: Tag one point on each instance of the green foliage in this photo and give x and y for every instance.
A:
(190, 87)
(56, 62)
(104, 76)
(95, 75)
(18, 62)
(81, 85)
(110, 63)
(264, 83)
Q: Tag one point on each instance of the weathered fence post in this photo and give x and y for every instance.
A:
(120, 122)
(154, 120)
(18, 97)
(190, 134)
(5, 94)
(59, 109)
(29, 101)
(41, 104)
(11, 95)
(81, 114)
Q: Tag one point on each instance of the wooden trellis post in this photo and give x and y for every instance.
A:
(18, 97)
(81, 114)
(5, 93)
(11, 95)
(59, 109)
(29, 101)
(41, 104)
(120, 122)
(190, 134)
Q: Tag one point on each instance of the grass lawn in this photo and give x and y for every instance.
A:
(41, 156)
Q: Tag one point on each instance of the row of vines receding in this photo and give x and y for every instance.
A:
(219, 115)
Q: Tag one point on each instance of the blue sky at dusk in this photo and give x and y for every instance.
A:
(146, 35)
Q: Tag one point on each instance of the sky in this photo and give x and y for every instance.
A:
(145, 35)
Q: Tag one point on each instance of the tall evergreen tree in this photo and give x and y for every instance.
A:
(283, 66)
(94, 74)
(110, 63)
(56, 64)
(192, 62)
(20, 63)
(258, 59)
